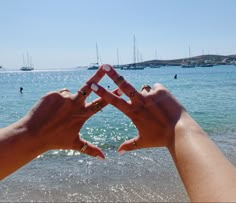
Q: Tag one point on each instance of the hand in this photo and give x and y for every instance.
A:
(58, 117)
(163, 122)
(53, 123)
(154, 111)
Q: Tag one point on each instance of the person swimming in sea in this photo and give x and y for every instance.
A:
(21, 90)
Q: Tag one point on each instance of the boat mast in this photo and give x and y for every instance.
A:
(28, 59)
(189, 51)
(134, 51)
(23, 59)
(97, 53)
(117, 56)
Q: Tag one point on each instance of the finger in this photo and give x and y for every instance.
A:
(162, 101)
(123, 84)
(129, 145)
(110, 98)
(158, 86)
(99, 103)
(85, 147)
(146, 88)
(63, 90)
(85, 90)
(65, 93)
(155, 103)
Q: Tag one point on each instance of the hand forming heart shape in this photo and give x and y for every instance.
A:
(154, 111)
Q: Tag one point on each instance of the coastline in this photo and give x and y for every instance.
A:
(200, 60)
(197, 61)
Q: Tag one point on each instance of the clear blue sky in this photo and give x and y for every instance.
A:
(64, 33)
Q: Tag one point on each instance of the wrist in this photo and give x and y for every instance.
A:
(18, 146)
(184, 130)
(23, 133)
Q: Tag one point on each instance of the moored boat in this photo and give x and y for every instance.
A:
(95, 66)
(154, 66)
(26, 68)
(206, 65)
(187, 65)
(27, 65)
(132, 67)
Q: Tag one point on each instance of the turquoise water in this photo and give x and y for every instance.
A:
(209, 95)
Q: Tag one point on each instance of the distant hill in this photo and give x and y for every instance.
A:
(211, 59)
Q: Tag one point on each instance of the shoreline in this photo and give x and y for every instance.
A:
(147, 175)
(135, 177)
(198, 61)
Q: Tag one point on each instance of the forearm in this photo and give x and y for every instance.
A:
(17, 147)
(206, 173)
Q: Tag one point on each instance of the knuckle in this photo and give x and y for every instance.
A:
(161, 92)
(101, 91)
(113, 74)
(56, 98)
(158, 86)
(125, 85)
(52, 96)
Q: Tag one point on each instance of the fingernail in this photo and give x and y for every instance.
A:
(119, 92)
(121, 152)
(99, 157)
(106, 67)
(94, 87)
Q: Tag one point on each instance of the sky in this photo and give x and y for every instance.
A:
(64, 33)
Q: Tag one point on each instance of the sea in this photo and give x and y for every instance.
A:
(147, 175)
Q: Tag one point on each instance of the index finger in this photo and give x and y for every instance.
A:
(123, 84)
(85, 90)
(111, 98)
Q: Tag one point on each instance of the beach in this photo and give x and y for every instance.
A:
(147, 175)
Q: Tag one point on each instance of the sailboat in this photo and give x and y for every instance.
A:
(133, 66)
(118, 57)
(28, 65)
(26, 68)
(94, 66)
(188, 64)
(154, 65)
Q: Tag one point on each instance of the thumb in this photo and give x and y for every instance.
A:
(129, 145)
(89, 149)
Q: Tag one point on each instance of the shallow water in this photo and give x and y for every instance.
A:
(140, 176)
(209, 94)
